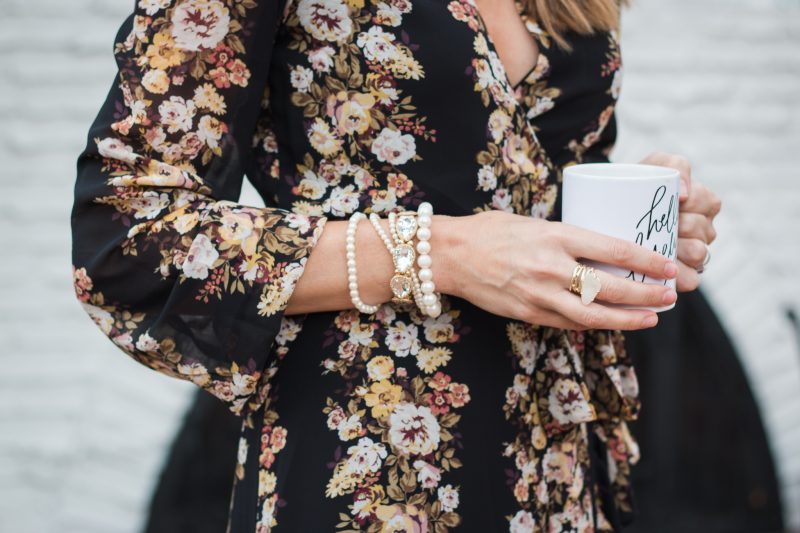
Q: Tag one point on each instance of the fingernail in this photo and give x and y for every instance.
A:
(670, 296)
(671, 270)
(650, 321)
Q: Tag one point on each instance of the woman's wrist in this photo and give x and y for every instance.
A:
(448, 241)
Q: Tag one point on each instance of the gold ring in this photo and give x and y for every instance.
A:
(585, 282)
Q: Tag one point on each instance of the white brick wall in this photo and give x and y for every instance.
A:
(83, 430)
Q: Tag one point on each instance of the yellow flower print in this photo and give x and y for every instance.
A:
(266, 482)
(380, 368)
(516, 156)
(162, 54)
(322, 139)
(156, 81)
(367, 501)
(429, 359)
(237, 228)
(207, 97)
(352, 112)
(396, 519)
(382, 397)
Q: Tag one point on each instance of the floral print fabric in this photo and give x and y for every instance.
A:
(353, 422)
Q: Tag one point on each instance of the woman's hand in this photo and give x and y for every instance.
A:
(698, 207)
(520, 267)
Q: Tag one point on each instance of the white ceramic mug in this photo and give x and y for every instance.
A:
(629, 201)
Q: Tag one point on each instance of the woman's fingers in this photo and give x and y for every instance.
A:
(598, 316)
(692, 252)
(581, 242)
(696, 226)
(688, 278)
(618, 290)
(553, 319)
(702, 200)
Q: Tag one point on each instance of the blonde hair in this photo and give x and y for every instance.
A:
(581, 16)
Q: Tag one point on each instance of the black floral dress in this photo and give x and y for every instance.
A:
(352, 422)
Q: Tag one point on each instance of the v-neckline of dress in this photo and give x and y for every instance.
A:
(541, 60)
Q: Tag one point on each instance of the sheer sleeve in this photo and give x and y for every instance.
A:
(170, 267)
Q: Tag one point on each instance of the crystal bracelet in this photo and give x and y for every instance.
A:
(402, 283)
(352, 274)
(404, 227)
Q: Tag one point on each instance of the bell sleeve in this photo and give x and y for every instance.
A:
(167, 264)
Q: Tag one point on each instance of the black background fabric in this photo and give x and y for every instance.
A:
(705, 467)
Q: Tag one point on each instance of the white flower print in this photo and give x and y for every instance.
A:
(499, 123)
(149, 204)
(522, 523)
(567, 403)
(394, 147)
(448, 496)
(200, 258)
(388, 14)
(116, 149)
(298, 221)
(502, 200)
(486, 178)
(312, 186)
(288, 332)
(177, 114)
(360, 334)
(365, 457)
(199, 24)
(321, 58)
(484, 73)
(427, 475)
(210, 130)
(557, 361)
(301, 77)
(439, 329)
(325, 20)
(378, 45)
(350, 428)
(336, 417)
(384, 201)
(541, 105)
(151, 7)
(241, 456)
(342, 201)
(242, 384)
(413, 430)
(402, 339)
(146, 343)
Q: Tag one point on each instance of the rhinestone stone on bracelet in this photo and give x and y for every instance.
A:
(401, 283)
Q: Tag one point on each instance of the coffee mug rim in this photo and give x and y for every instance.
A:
(635, 170)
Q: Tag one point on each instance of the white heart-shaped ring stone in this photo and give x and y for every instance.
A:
(590, 286)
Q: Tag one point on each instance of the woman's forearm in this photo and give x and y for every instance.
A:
(324, 283)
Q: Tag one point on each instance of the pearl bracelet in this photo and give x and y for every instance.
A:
(352, 274)
(430, 298)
